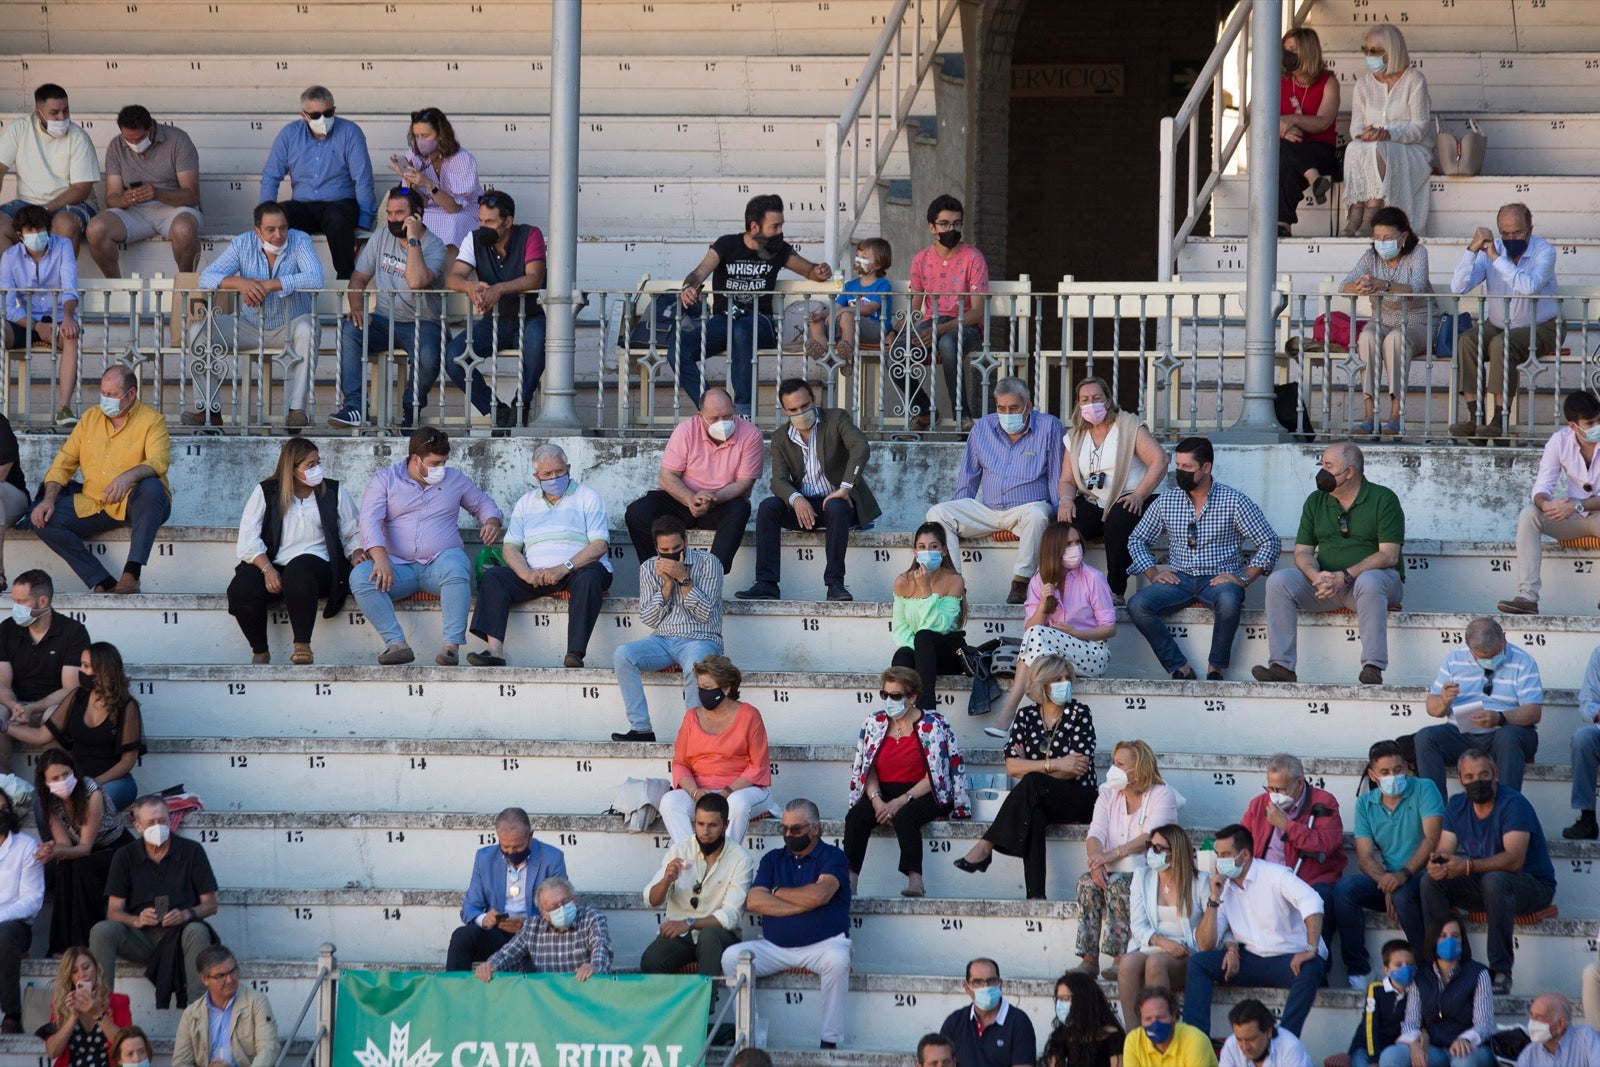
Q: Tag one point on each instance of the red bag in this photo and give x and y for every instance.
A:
(1334, 328)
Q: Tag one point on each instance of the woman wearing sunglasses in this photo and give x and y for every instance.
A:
(1166, 901)
(908, 772)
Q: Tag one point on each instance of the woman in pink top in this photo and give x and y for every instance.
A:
(1068, 613)
(721, 748)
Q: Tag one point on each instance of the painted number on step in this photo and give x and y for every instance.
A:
(316, 763)
(238, 762)
(1533, 639)
(880, 555)
(169, 618)
(567, 840)
(1583, 566)
(1255, 633)
(971, 555)
(541, 620)
(1450, 637)
(1416, 563)
(1216, 705)
(1499, 566)
(209, 837)
(905, 1000)
(1400, 711)
(303, 914)
(1224, 778)
(950, 924)
(994, 627)
(1351, 635)
(805, 554)
(1318, 707)
(294, 837)
(1134, 703)
(413, 689)
(510, 763)
(583, 766)
(1178, 631)
(395, 837)
(813, 625)
(391, 915)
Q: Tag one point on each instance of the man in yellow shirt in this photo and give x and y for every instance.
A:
(121, 452)
(1161, 1040)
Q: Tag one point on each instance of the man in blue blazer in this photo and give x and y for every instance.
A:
(500, 895)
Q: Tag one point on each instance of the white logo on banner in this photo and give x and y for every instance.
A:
(399, 1054)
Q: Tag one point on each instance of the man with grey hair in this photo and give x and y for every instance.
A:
(1346, 556)
(562, 937)
(498, 895)
(556, 542)
(330, 172)
(1298, 825)
(1556, 1040)
(802, 893)
(1491, 699)
(1009, 473)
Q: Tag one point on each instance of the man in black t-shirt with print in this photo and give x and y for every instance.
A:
(743, 266)
(39, 654)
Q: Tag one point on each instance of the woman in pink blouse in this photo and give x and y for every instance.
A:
(721, 748)
(444, 173)
(1068, 613)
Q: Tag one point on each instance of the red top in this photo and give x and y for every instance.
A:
(121, 1017)
(901, 760)
(717, 760)
(1309, 99)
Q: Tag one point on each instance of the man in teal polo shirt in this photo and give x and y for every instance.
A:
(1346, 555)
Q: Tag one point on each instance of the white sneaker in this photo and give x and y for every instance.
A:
(995, 731)
(1359, 982)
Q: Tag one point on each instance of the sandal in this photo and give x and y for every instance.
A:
(301, 656)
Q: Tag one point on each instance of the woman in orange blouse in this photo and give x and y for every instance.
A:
(721, 748)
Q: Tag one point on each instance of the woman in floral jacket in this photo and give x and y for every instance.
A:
(908, 772)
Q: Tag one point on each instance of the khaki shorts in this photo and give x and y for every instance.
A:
(144, 221)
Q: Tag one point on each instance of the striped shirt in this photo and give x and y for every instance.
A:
(812, 482)
(297, 268)
(539, 948)
(1482, 1026)
(695, 612)
(1516, 681)
(551, 534)
(1003, 473)
(1226, 520)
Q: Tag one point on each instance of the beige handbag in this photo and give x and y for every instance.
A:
(1463, 158)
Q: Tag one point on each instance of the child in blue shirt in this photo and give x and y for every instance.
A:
(860, 311)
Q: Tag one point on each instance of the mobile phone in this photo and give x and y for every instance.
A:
(134, 185)
(162, 905)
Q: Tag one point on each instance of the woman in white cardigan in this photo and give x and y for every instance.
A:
(1389, 157)
(1166, 902)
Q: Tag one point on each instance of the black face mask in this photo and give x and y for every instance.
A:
(711, 698)
(1479, 792)
(764, 247)
(8, 822)
(797, 842)
(516, 859)
(485, 237)
(1326, 482)
(1186, 480)
(1291, 61)
(397, 228)
(950, 238)
(708, 849)
(676, 557)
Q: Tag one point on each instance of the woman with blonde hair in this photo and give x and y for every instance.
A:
(298, 539)
(1308, 104)
(1051, 749)
(1389, 157)
(1166, 901)
(1133, 801)
(85, 1015)
(1111, 470)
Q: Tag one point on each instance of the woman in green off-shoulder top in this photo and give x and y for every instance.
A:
(930, 608)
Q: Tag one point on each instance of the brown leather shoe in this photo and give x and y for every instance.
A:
(1518, 605)
(1273, 672)
(201, 418)
(296, 417)
(1370, 675)
(1019, 591)
(126, 584)
(1468, 426)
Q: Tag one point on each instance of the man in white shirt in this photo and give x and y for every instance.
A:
(1556, 1040)
(21, 894)
(1257, 1042)
(1262, 927)
(702, 881)
(1569, 463)
(1518, 265)
(55, 165)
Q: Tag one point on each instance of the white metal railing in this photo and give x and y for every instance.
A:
(865, 122)
(323, 990)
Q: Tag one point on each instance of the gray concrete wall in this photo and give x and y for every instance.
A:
(1451, 494)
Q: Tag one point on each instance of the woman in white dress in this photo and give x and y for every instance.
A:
(1390, 155)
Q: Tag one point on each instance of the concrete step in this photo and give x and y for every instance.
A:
(1497, 79)
(1314, 255)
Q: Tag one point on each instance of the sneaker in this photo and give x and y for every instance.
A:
(1392, 428)
(66, 416)
(1359, 982)
(347, 417)
(635, 735)
(1370, 675)
(1273, 672)
(1585, 829)
(1518, 605)
(759, 591)
(395, 655)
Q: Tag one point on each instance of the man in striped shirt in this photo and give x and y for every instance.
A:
(1008, 480)
(1491, 699)
(1206, 526)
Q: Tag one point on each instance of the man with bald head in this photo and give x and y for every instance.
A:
(1519, 266)
(1346, 555)
(1557, 1040)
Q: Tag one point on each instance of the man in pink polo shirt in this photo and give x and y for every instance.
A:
(946, 316)
(711, 462)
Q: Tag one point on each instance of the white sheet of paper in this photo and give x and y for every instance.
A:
(1462, 713)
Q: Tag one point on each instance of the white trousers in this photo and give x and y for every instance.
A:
(829, 960)
(677, 812)
(974, 518)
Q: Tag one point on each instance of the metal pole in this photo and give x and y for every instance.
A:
(830, 180)
(1258, 421)
(1167, 209)
(558, 412)
(328, 973)
(745, 989)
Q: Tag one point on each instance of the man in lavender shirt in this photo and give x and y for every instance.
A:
(408, 523)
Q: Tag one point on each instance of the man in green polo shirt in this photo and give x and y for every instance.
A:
(1346, 555)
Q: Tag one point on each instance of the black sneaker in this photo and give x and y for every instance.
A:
(635, 735)
(505, 416)
(1501, 984)
(1585, 829)
(839, 594)
(759, 591)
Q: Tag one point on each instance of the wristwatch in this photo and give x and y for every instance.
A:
(412, 242)
(567, 563)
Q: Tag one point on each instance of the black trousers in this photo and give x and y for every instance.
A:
(930, 655)
(334, 219)
(1037, 802)
(908, 824)
(669, 955)
(500, 588)
(1115, 526)
(1294, 159)
(15, 937)
(472, 944)
(774, 516)
(728, 520)
(306, 579)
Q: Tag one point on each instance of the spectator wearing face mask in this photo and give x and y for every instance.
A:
(992, 1032)
(908, 771)
(39, 280)
(1450, 1019)
(1383, 1015)
(1491, 699)
(721, 748)
(1554, 1039)
(325, 159)
(437, 167)
(1161, 1039)
(564, 937)
(500, 892)
(702, 883)
(930, 607)
(152, 189)
(711, 463)
(55, 166)
(1166, 903)
(21, 895)
(1294, 823)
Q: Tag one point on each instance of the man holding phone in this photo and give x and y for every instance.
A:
(152, 188)
(504, 876)
(158, 887)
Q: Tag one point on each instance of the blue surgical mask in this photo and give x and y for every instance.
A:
(1449, 949)
(895, 708)
(930, 558)
(1591, 434)
(140, 1063)
(1386, 249)
(563, 917)
(1013, 422)
(986, 998)
(1063, 1009)
(555, 487)
(1159, 1032)
(1491, 663)
(1394, 785)
(1377, 63)
(1060, 692)
(1514, 246)
(36, 242)
(111, 405)
(21, 614)
(1402, 975)
(1229, 867)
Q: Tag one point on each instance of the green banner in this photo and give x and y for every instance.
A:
(424, 1019)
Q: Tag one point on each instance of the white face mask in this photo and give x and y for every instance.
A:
(65, 786)
(1116, 777)
(312, 476)
(321, 126)
(271, 249)
(1156, 861)
(434, 475)
(720, 430)
(111, 405)
(142, 147)
(57, 127)
(156, 834)
(1281, 800)
(863, 264)
(36, 242)
(1539, 1032)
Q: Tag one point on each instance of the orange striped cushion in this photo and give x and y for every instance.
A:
(1581, 542)
(1003, 535)
(1522, 920)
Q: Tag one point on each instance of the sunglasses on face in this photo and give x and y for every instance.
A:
(884, 694)
(318, 114)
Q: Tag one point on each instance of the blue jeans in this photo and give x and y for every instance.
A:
(1585, 763)
(1438, 748)
(120, 792)
(656, 653)
(489, 335)
(148, 507)
(1400, 1056)
(1149, 605)
(1355, 895)
(748, 333)
(449, 577)
(420, 339)
(1205, 970)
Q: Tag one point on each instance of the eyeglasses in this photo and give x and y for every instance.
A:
(318, 114)
(984, 983)
(1161, 850)
(884, 694)
(1488, 683)
(946, 227)
(797, 831)
(1344, 524)
(1194, 535)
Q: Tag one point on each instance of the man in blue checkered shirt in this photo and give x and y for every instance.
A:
(1206, 526)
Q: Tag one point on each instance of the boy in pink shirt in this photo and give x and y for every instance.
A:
(944, 314)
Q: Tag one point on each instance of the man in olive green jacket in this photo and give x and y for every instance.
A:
(241, 1017)
(819, 460)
